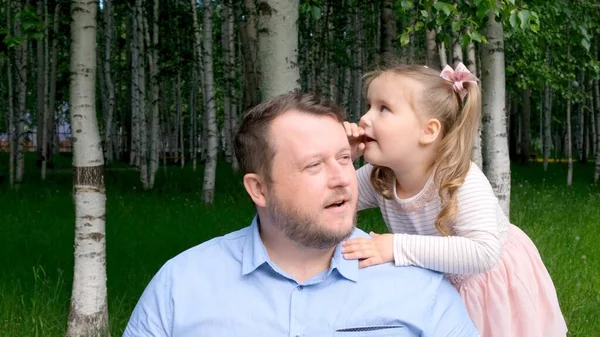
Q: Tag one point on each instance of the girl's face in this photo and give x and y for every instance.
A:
(393, 128)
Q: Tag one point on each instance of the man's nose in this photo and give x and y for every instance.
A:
(340, 176)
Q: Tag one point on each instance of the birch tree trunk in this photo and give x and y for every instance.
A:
(88, 314)
(357, 72)
(141, 31)
(110, 87)
(40, 125)
(135, 93)
(155, 121)
(457, 53)
(277, 45)
(580, 144)
(569, 145)
(496, 161)
(388, 30)
(597, 108)
(471, 63)
(433, 59)
(11, 108)
(228, 149)
(21, 63)
(442, 52)
(180, 119)
(525, 125)
(592, 133)
(547, 124)
(233, 92)
(547, 117)
(210, 167)
(248, 31)
(569, 133)
(53, 138)
(45, 112)
(193, 120)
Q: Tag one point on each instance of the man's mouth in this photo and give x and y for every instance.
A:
(338, 203)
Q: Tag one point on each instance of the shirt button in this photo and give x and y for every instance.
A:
(299, 288)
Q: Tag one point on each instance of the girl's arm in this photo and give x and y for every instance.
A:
(367, 196)
(475, 245)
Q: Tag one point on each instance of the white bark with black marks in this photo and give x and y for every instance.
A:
(88, 314)
(278, 47)
(208, 186)
(496, 161)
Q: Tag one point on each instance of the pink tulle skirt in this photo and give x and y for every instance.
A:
(517, 297)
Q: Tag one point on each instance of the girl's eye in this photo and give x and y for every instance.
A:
(384, 109)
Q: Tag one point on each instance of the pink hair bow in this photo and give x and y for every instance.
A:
(459, 76)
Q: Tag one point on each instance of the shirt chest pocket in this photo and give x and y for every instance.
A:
(372, 331)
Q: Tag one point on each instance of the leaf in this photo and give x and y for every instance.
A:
(475, 36)
(513, 19)
(424, 14)
(404, 38)
(443, 7)
(465, 39)
(316, 12)
(585, 43)
(38, 36)
(524, 16)
(482, 11)
(406, 4)
(455, 26)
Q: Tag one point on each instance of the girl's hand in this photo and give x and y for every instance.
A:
(355, 135)
(372, 251)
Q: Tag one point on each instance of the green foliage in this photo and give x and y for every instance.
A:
(468, 18)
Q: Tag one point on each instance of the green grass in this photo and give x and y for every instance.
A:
(144, 229)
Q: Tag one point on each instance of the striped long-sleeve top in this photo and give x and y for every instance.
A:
(478, 230)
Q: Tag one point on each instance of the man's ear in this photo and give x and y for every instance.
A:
(256, 189)
(431, 131)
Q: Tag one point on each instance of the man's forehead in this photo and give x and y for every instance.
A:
(299, 128)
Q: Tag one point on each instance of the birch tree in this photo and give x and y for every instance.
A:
(154, 96)
(21, 63)
(11, 109)
(210, 168)
(109, 85)
(597, 111)
(248, 30)
(277, 47)
(496, 163)
(88, 314)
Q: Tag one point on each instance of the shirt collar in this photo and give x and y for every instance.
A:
(255, 254)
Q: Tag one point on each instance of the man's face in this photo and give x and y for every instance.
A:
(313, 192)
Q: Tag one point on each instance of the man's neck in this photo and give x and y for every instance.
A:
(300, 262)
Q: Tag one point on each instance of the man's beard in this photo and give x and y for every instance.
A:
(304, 228)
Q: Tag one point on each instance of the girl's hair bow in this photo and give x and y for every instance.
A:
(459, 76)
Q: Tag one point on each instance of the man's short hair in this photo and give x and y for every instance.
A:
(253, 150)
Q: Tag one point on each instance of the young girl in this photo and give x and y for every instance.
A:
(417, 136)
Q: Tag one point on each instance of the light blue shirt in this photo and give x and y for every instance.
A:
(228, 286)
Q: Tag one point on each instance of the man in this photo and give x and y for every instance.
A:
(284, 275)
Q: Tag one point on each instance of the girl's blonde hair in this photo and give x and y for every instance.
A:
(460, 123)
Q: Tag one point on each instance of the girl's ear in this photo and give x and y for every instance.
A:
(431, 131)
(255, 188)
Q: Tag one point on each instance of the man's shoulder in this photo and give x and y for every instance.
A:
(215, 251)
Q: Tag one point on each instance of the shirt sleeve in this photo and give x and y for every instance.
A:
(449, 316)
(367, 196)
(152, 316)
(475, 245)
